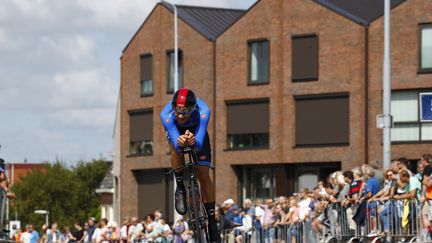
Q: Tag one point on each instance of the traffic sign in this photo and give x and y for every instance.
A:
(425, 107)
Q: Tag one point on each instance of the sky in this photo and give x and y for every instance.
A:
(60, 74)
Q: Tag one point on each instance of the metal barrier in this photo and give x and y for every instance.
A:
(283, 234)
(392, 221)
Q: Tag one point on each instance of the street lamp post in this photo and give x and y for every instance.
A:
(387, 88)
(176, 83)
(46, 212)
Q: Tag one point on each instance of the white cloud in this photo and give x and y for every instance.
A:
(33, 8)
(96, 118)
(76, 47)
(59, 72)
(88, 88)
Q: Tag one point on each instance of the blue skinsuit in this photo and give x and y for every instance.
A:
(197, 124)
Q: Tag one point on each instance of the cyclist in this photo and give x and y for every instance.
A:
(185, 120)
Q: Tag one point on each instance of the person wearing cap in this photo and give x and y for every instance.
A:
(230, 210)
(185, 120)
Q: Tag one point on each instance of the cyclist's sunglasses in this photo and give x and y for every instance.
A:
(183, 110)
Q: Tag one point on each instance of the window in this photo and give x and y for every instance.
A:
(146, 75)
(426, 48)
(408, 126)
(258, 62)
(305, 58)
(141, 132)
(322, 120)
(248, 124)
(171, 65)
(270, 181)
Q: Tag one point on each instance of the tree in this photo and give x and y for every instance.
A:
(68, 194)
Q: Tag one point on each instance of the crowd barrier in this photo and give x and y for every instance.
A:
(390, 221)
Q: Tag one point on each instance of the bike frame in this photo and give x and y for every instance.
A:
(198, 220)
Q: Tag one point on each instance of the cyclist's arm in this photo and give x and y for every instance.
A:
(201, 129)
(167, 118)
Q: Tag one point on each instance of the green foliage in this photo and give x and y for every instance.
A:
(68, 194)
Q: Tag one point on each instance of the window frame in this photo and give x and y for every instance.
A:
(181, 72)
(304, 79)
(246, 101)
(152, 76)
(346, 95)
(130, 143)
(421, 27)
(418, 123)
(249, 55)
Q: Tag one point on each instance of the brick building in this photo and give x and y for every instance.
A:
(16, 171)
(294, 87)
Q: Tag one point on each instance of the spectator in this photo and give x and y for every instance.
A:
(389, 182)
(248, 206)
(85, 235)
(379, 175)
(259, 214)
(113, 232)
(282, 200)
(65, 235)
(102, 235)
(268, 220)
(353, 196)
(355, 186)
(372, 185)
(149, 224)
(319, 218)
(420, 169)
(124, 230)
(229, 209)
(77, 234)
(91, 229)
(414, 186)
(405, 165)
(426, 159)
(293, 219)
(157, 214)
(304, 203)
(17, 235)
(34, 234)
(246, 226)
(54, 234)
(167, 232)
(132, 229)
(25, 236)
(181, 230)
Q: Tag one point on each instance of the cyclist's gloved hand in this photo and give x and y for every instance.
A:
(190, 138)
(181, 141)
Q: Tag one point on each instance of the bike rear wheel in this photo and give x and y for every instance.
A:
(197, 213)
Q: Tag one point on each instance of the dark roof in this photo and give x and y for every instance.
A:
(108, 180)
(210, 22)
(360, 11)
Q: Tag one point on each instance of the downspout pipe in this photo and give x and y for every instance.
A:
(214, 107)
(366, 91)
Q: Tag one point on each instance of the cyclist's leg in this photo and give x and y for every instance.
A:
(180, 193)
(205, 176)
(206, 180)
(175, 159)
